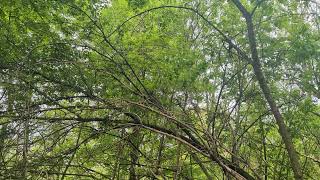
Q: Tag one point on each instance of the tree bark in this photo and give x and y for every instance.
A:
(283, 130)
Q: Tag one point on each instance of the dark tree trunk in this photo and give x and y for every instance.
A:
(283, 130)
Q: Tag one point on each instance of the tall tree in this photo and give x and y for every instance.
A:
(149, 89)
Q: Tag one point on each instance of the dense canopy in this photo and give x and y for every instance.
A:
(159, 89)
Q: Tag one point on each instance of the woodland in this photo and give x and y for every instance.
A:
(159, 89)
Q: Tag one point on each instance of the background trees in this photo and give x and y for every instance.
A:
(159, 89)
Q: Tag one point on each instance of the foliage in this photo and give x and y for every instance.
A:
(146, 89)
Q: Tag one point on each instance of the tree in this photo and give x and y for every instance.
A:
(159, 89)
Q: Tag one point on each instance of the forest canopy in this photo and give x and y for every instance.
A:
(159, 89)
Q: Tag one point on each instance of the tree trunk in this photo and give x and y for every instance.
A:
(283, 130)
(134, 153)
